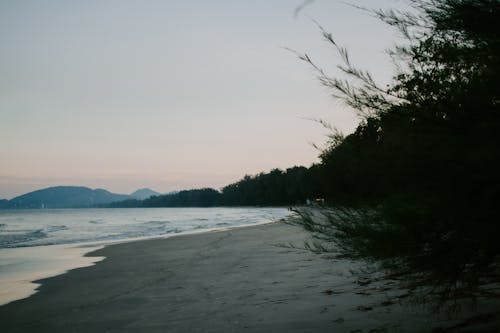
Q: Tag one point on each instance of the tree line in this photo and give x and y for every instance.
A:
(293, 186)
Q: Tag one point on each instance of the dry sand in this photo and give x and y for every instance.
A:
(240, 280)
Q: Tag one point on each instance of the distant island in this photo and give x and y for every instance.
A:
(71, 197)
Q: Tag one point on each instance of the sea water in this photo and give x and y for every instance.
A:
(36, 244)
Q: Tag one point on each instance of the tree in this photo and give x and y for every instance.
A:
(423, 164)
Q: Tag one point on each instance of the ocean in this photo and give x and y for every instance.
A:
(36, 244)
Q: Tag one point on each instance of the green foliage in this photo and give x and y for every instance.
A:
(275, 188)
(425, 157)
(206, 197)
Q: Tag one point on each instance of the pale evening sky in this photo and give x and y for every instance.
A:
(169, 94)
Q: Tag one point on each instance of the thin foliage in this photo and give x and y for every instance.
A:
(423, 163)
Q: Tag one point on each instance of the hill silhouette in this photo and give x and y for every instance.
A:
(144, 193)
(63, 197)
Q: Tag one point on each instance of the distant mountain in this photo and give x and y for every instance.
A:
(143, 193)
(64, 197)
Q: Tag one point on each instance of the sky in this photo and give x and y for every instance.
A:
(170, 95)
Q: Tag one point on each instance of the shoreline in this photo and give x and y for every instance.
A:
(243, 279)
(48, 261)
(76, 255)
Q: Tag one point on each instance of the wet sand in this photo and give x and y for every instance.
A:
(239, 280)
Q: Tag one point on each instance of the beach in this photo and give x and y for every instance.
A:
(248, 279)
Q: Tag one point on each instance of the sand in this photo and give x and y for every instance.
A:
(239, 280)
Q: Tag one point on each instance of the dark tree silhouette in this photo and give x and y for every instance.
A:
(424, 161)
(292, 186)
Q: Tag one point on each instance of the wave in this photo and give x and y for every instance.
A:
(45, 228)
(54, 228)
(157, 222)
(174, 231)
(16, 239)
